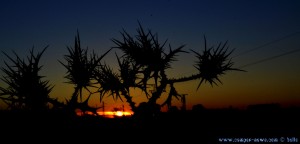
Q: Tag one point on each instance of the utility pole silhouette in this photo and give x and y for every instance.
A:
(183, 108)
(103, 110)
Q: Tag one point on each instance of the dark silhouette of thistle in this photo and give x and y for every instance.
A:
(80, 72)
(211, 63)
(143, 65)
(116, 85)
(145, 61)
(26, 89)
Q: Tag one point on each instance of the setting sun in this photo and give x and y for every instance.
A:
(113, 114)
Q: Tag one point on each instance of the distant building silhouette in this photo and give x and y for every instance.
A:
(264, 107)
(198, 108)
(173, 109)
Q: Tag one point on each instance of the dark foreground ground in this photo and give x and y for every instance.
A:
(207, 126)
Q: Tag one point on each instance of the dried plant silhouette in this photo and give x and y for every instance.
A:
(80, 71)
(26, 89)
(144, 63)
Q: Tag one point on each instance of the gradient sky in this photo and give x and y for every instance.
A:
(256, 29)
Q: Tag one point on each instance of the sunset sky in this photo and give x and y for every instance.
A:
(258, 30)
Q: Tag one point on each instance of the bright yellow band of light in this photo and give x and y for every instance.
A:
(109, 114)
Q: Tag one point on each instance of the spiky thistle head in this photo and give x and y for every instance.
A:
(213, 62)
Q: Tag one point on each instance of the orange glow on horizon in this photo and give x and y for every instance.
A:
(108, 114)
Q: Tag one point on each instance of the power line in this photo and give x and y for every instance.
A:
(268, 43)
(270, 58)
(263, 60)
(264, 45)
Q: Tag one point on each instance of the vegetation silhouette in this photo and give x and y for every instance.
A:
(80, 72)
(26, 90)
(143, 65)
